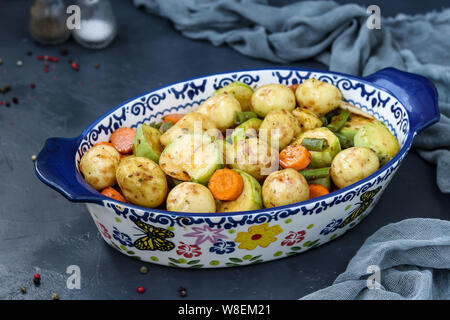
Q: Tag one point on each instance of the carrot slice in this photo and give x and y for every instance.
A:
(317, 190)
(296, 157)
(226, 184)
(112, 193)
(173, 117)
(122, 139)
(103, 143)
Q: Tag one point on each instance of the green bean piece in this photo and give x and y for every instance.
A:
(326, 182)
(155, 125)
(344, 141)
(314, 144)
(313, 174)
(166, 126)
(241, 117)
(338, 121)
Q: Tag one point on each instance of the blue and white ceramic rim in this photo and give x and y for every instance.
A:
(405, 102)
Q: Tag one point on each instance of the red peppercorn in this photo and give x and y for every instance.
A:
(40, 57)
(37, 278)
(54, 59)
(32, 85)
(141, 289)
(1, 103)
(46, 69)
(75, 66)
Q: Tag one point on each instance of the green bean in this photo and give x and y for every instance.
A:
(166, 126)
(338, 121)
(344, 141)
(326, 182)
(314, 144)
(313, 174)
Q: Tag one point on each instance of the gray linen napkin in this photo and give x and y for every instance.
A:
(336, 35)
(413, 259)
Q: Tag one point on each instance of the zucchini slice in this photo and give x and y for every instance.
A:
(146, 143)
(247, 129)
(353, 124)
(191, 157)
(320, 159)
(250, 198)
(241, 91)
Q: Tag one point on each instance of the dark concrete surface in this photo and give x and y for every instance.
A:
(40, 231)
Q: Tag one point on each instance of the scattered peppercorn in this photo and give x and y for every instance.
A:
(64, 51)
(55, 296)
(97, 65)
(46, 64)
(29, 53)
(19, 63)
(143, 269)
(6, 88)
(182, 291)
(23, 289)
(141, 289)
(32, 85)
(7, 104)
(33, 157)
(1, 61)
(15, 100)
(70, 60)
(40, 57)
(75, 66)
(37, 279)
(46, 69)
(1, 103)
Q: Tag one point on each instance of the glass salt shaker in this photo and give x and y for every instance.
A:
(98, 26)
(48, 21)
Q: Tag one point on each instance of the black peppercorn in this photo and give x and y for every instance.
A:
(15, 100)
(29, 53)
(182, 291)
(64, 51)
(7, 104)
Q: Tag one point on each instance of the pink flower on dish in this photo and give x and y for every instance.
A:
(188, 250)
(293, 238)
(206, 233)
(103, 230)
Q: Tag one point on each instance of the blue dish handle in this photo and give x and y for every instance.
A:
(418, 95)
(55, 166)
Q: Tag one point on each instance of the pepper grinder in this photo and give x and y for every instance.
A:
(98, 26)
(48, 21)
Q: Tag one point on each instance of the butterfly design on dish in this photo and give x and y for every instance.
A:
(155, 238)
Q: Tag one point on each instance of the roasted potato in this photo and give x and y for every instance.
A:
(318, 96)
(272, 97)
(188, 124)
(279, 127)
(284, 187)
(142, 181)
(191, 197)
(221, 109)
(253, 156)
(353, 164)
(307, 119)
(98, 166)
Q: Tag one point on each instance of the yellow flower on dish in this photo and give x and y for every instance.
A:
(261, 235)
